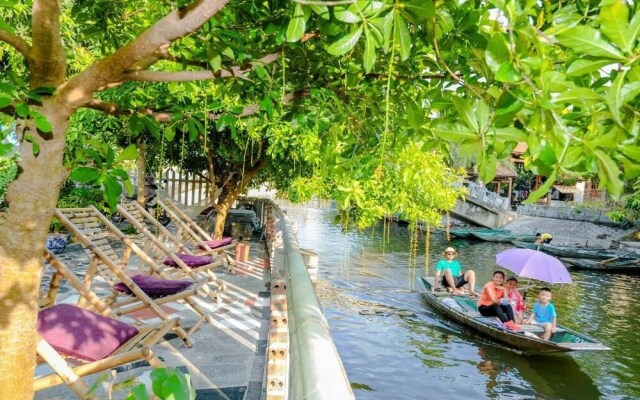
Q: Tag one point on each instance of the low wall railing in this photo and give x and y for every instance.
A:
(302, 360)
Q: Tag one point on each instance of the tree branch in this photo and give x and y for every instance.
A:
(184, 76)
(177, 24)
(117, 110)
(17, 42)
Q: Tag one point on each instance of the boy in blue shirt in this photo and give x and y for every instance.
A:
(544, 313)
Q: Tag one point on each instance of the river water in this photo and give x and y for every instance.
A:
(394, 346)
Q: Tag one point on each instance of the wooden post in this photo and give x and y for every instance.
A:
(141, 173)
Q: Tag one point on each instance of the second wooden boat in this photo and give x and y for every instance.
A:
(618, 265)
(579, 252)
(502, 237)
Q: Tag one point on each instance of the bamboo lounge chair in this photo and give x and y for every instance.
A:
(95, 341)
(192, 233)
(143, 291)
(169, 248)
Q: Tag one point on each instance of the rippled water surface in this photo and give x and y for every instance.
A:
(394, 346)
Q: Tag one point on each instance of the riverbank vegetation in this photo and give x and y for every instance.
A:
(363, 102)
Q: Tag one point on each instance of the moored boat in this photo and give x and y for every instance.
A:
(464, 310)
(465, 233)
(618, 265)
(502, 237)
(579, 252)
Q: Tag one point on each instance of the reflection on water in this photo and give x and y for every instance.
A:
(394, 346)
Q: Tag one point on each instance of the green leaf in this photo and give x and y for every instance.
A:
(112, 190)
(586, 66)
(543, 190)
(402, 37)
(42, 123)
(508, 73)
(613, 23)
(510, 134)
(631, 151)
(22, 109)
(111, 156)
(608, 173)
(634, 27)
(215, 61)
(420, 9)
(342, 13)
(84, 174)
(415, 114)
(579, 95)
(321, 10)
(614, 97)
(369, 57)
(139, 392)
(465, 110)
(367, 8)
(587, 40)
(455, 132)
(345, 43)
(5, 100)
(297, 24)
(631, 169)
(497, 52)
(170, 133)
(129, 153)
(487, 167)
(482, 115)
(629, 92)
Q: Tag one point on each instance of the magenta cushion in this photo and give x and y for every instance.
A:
(82, 334)
(213, 244)
(154, 287)
(189, 259)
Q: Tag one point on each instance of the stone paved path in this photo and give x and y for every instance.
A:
(227, 359)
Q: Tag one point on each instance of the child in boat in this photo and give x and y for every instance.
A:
(544, 313)
(515, 299)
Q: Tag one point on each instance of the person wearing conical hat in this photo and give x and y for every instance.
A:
(449, 274)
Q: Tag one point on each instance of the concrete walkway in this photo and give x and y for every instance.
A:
(227, 360)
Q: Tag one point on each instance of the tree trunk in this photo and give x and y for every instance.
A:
(226, 199)
(32, 198)
(233, 187)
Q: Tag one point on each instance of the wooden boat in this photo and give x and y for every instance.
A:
(502, 237)
(618, 265)
(465, 233)
(464, 310)
(594, 253)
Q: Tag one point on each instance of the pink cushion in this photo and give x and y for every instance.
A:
(213, 244)
(154, 287)
(82, 334)
(189, 259)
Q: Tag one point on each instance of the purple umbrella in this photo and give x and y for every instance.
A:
(534, 264)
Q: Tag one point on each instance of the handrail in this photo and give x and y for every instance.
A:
(315, 368)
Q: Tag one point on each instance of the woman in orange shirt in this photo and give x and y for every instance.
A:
(493, 299)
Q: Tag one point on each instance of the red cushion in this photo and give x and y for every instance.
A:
(154, 287)
(190, 260)
(213, 244)
(82, 334)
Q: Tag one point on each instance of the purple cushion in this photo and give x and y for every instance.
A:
(154, 287)
(189, 259)
(82, 334)
(213, 244)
